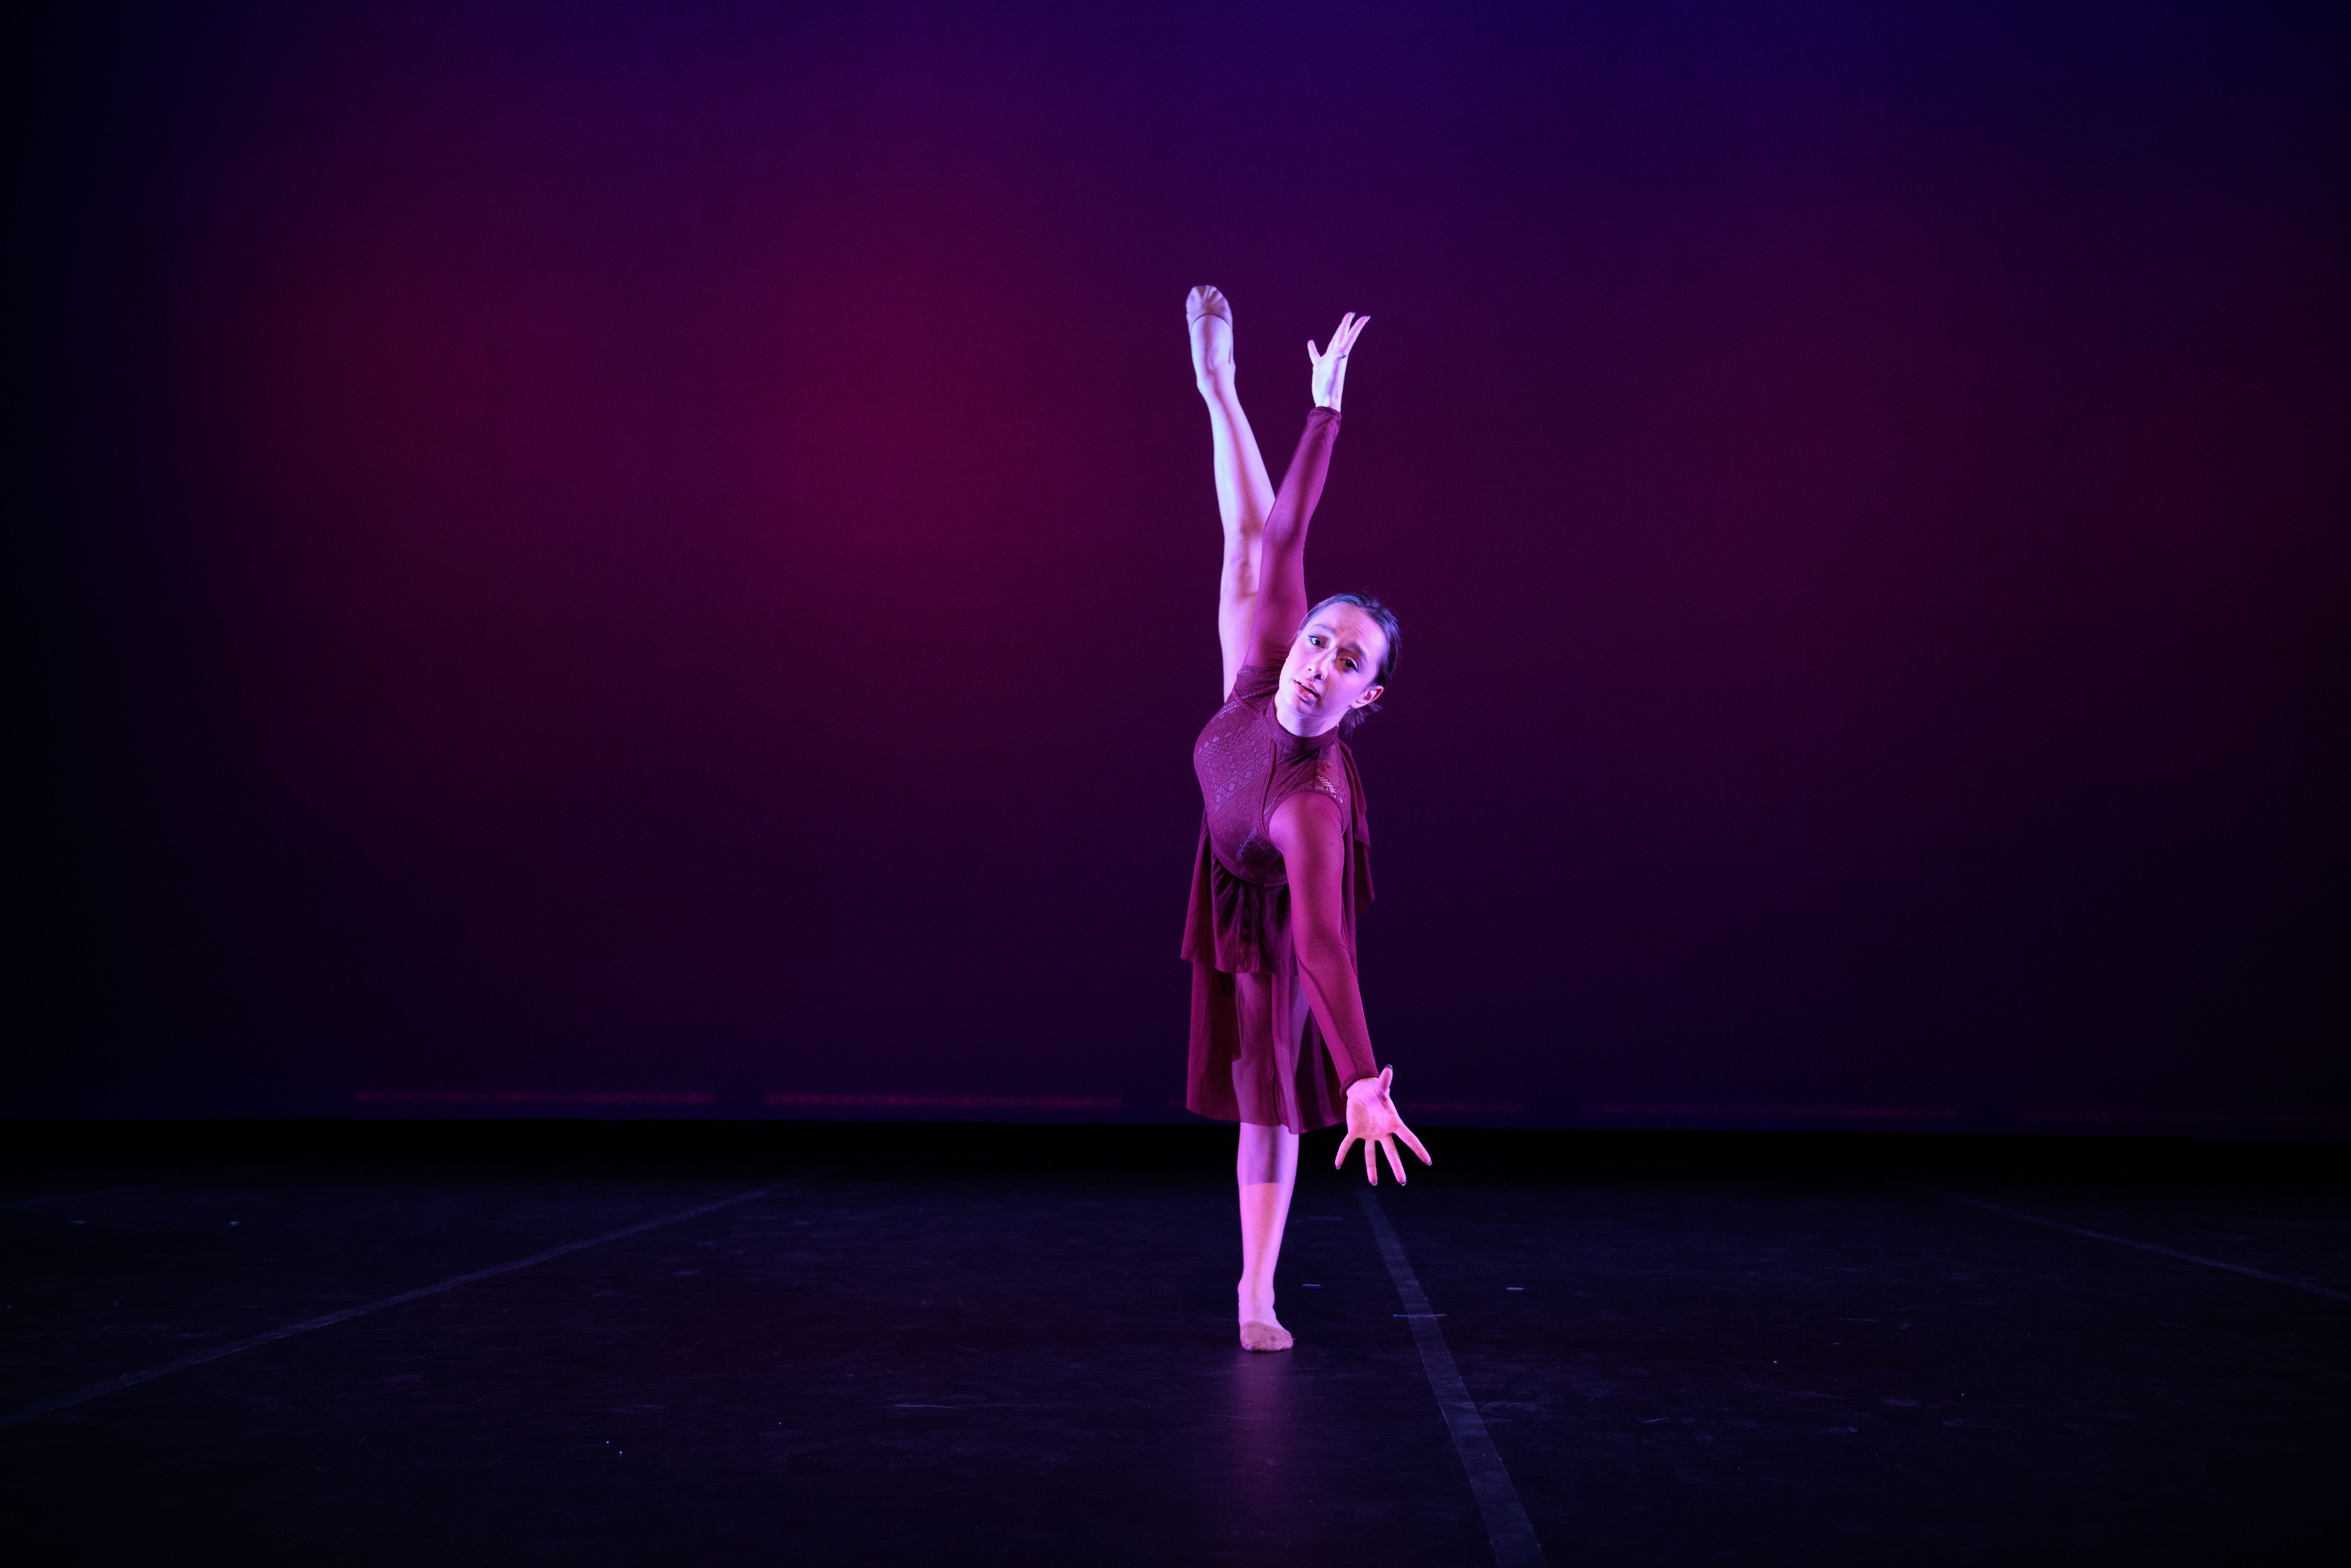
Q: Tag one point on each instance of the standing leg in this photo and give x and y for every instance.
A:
(1266, 1169)
(1244, 493)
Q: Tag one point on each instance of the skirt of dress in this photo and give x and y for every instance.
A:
(1257, 1055)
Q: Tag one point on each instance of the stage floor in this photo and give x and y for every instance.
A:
(1015, 1345)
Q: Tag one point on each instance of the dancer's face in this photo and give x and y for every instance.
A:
(1333, 662)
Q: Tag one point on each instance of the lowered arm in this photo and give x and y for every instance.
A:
(1312, 834)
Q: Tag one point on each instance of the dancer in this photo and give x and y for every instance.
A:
(1279, 1041)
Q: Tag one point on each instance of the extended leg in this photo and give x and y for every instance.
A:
(1244, 493)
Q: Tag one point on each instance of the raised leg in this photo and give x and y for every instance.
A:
(1244, 492)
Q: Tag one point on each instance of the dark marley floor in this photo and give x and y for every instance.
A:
(1014, 1344)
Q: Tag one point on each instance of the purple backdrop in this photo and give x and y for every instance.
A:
(661, 558)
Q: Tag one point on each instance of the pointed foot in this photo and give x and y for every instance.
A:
(1209, 317)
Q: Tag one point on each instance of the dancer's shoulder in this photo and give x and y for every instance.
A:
(1331, 779)
(1253, 683)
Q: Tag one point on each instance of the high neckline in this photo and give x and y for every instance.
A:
(1297, 743)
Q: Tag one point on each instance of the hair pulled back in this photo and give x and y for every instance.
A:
(1391, 636)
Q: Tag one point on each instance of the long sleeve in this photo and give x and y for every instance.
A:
(1281, 559)
(1327, 969)
(1312, 834)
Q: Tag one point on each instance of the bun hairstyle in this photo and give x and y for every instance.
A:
(1391, 633)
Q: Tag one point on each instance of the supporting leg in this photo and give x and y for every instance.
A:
(1267, 1171)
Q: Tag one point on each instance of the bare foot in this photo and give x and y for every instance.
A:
(1266, 1337)
(1260, 1330)
(1209, 315)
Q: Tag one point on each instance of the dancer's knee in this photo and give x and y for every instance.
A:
(1266, 1154)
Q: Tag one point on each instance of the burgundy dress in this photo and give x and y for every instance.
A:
(1262, 1051)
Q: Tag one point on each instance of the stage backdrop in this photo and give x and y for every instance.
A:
(660, 559)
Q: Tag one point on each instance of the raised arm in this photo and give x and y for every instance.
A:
(1312, 834)
(1281, 556)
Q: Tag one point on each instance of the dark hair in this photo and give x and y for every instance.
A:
(1391, 633)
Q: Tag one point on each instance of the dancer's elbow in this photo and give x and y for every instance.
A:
(1325, 956)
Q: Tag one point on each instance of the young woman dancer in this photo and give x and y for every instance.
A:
(1278, 1042)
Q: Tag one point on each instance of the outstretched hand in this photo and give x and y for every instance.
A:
(1372, 1117)
(1329, 375)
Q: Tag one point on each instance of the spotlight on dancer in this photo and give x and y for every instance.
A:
(1279, 1041)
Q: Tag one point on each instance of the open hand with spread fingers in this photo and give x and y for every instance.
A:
(1329, 377)
(1372, 1117)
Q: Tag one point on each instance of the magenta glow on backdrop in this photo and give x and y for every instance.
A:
(659, 559)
